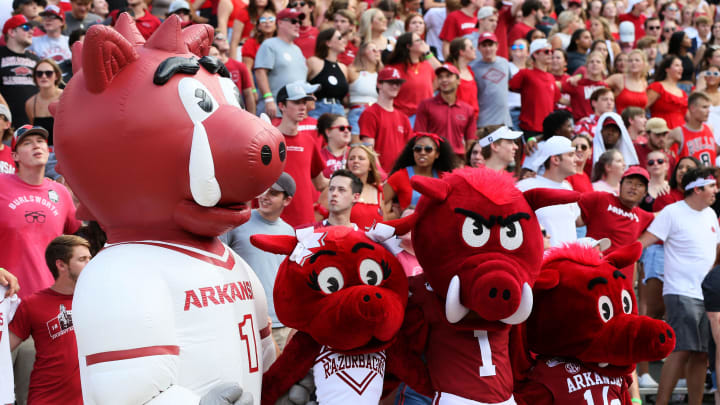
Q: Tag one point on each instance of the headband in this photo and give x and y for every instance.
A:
(435, 137)
(701, 182)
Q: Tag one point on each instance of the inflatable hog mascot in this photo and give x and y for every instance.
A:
(151, 138)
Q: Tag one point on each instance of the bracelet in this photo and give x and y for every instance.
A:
(267, 95)
(269, 100)
(532, 138)
(428, 55)
(636, 401)
(254, 90)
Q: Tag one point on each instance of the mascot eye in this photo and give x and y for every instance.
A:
(474, 233)
(605, 308)
(626, 301)
(370, 272)
(511, 235)
(197, 99)
(330, 280)
(231, 92)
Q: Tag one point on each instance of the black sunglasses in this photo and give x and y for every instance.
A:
(46, 73)
(581, 147)
(420, 148)
(292, 21)
(652, 162)
(25, 27)
(297, 4)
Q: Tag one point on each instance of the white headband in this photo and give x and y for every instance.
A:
(701, 182)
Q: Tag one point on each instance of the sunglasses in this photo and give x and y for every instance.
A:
(298, 4)
(46, 73)
(517, 47)
(25, 27)
(292, 21)
(673, 9)
(342, 128)
(419, 148)
(582, 147)
(544, 233)
(652, 162)
(654, 27)
(716, 74)
(669, 29)
(266, 20)
(544, 51)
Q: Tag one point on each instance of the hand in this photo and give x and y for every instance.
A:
(299, 394)
(271, 109)
(574, 80)
(227, 394)
(425, 48)
(530, 147)
(9, 281)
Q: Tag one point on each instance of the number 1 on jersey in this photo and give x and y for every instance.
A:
(487, 369)
(247, 333)
(589, 399)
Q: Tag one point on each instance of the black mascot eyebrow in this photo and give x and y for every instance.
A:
(214, 65)
(175, 64)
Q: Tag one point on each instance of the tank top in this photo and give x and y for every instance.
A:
(45, 122)
(332, 81)
(365, 215)
(627, 98)
(700, 144)
(363, 90)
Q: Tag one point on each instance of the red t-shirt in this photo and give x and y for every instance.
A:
(400, 183)
(638, 22)
(239, 74)
(580, 96)
(519, 30)
(250, 48)
(332, 162)
(467, 92)
(700, 144)
(306, 40)
(7, 165)
(664, 200)
(456, 123)
(47, 316)
(458, 24)
(390, 129)
(505, 18)
(303, 164)
(243, 16)
(30, 217)
(417, 87)
(580, 182)
(147, 24)
(538, 94)
(347, 57)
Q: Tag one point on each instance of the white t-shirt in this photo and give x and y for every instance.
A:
(7, 311)
(558, 220)
(690, 238)
(349, 379)
(56, 49)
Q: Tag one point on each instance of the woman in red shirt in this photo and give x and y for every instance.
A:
(362, 162)
(266, 28)
(630, 87)
(665, 99)
(580, 181)
(462, 52)
(411, 58)
(246, 18)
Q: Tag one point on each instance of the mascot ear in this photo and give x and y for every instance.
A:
(77, 56)
(403, 225)
(430, 187)
(125, 25)
(625, 256)
(543, 197)
(104, 54)
(547, 280)
(279, 244)
(168, 37)
(198, 38)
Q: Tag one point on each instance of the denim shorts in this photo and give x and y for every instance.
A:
(653, 261)
(322, 108)
(354, 118)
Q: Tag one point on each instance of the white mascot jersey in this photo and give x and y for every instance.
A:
(162, 323)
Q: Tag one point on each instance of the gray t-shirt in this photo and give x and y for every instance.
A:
(72, 23)
(264, 264)
(285, 63)
(492, 86)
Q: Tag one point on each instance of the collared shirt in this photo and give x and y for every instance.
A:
(453, 122)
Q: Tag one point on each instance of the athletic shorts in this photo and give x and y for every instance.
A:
(711, 290)
(687, 317)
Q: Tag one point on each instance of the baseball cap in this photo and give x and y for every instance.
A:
(448, 67)
(656, 125)
(290, 13)
(637, 171)
(53, 11)
(293, 91)
(27, 130)
(556, 145)
(576, 2)
(487, 36)
(500, 133)
(4, 110)
(538, 45)
(631, 4)
(284, 183)
(610, 121)
(178, 5)
(603, 243)
(627, 32)
(309, 88)
(14, 22)
(390, 74)
(486, 12)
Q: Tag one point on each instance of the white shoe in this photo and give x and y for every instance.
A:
(646, 381)
(682, 383)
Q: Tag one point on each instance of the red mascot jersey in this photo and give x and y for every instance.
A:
(572, 383)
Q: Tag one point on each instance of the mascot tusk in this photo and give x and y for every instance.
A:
(454, 310)
(203, 185)
(524, 309)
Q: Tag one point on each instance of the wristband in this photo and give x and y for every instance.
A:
(428, 55)
(636, 401)
(269, 100)
(254, 90)
(532, 138)
(267, 95)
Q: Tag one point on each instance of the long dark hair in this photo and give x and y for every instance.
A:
(675, 43)
(456, 45)
(710, 49)
(574, 38)
(599, 169)
(660, 73)
(673, 181)
(259, 35)
(445, 162)
(401, 53)
(253, 10)
(321, 46)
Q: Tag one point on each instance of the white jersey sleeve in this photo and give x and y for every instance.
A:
(7, 311)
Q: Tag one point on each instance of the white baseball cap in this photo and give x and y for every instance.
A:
(631, 4)
(627, 32)
(539, 44)
(603, 244)
(500, 133)
(556, 145)
(486, 12)
(178, 5)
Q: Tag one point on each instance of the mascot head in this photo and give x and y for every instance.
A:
(343, 289)
(479, 242)
(151, 137)
(585, 295)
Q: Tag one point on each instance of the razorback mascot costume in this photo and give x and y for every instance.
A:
(346, 295)
(584, 332)
(478, 241)
(151, 138)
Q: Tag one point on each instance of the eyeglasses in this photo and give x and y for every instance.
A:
(342, 128)
(517, 47)
(297, 4)
(46, 73)
(262, 20)
(652, 162)
(716, 74)
(292, 21)
(654, 27)
(420, 148)
(582, 147)
(25, 27)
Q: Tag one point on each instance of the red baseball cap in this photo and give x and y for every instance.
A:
(290, 13)
(448, 67)
(637, 171)
(390, 74)
(53, 11)
(487, 36)
(27, 130)
(14, 22)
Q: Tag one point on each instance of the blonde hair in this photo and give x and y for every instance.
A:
(563, 20)
(373, 177)
(643, 56)
(365, 28)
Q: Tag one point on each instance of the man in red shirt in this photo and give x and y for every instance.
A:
(344, 21)
(382, 126)
(657, 134)
(634, 14)
(532, 14)
(445, 115)
(602, 100)
(304, 162)
(146, 23)
(695, 138)
(47, 316)
(460, 23)
(308, 33)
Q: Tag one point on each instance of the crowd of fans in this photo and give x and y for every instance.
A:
(616, 99)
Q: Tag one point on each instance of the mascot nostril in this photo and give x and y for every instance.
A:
(506, 295)
(282, 151)
(662, 338)
(378, 295)
(266, 155)
(366, 298)
(669, 333)
(493, 292)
